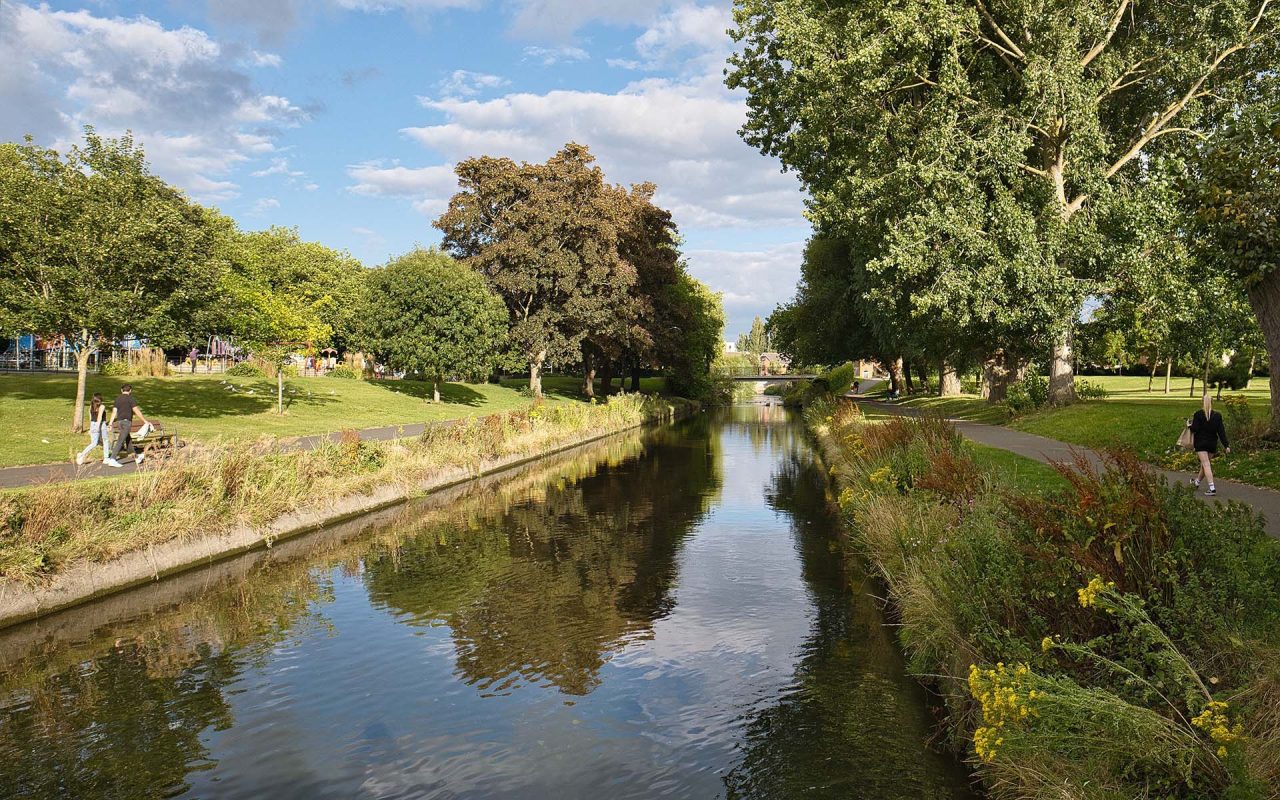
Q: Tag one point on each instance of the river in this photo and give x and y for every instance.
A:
(668, 614)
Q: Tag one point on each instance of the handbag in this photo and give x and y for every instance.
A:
(1185, 440)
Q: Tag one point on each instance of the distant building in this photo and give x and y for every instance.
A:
(774, 364)
(730, 347)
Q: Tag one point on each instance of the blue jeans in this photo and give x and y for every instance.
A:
(97, 435)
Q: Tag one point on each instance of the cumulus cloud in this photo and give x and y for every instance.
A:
(463, 83)
(753, 282)
(265, 204)
(184, 95)
(681, 136)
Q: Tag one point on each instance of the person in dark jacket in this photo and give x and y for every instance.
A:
(1206, 430)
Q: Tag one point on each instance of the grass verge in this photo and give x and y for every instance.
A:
(1111, 637)
(35, 410)
(212, 488)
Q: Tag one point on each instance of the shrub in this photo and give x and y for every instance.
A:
(1028, 394)
(246, 369)
(840, 379)
(1118, 634)
(1087, 390)
(1245, 428)
(344, 372)
(113, 368)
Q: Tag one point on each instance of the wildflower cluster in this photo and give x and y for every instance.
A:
(1007, 699)
(1089, 594)
(884, 475)
(1215, 721)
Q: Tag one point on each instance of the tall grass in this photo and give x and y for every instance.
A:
(1112, 639)
(212, 488)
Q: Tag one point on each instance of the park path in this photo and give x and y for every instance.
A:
(1045, 450)
(16, 477)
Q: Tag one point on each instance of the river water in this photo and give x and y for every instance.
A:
(666, 615)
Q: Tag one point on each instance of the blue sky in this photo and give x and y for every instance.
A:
(344, 117)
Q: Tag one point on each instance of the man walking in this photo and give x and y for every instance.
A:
(122, 421)
(193, 357)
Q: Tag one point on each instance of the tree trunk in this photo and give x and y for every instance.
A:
(1062, 378)
(1151, 381)
(635, 375)
(606, 377)
(896, 381)
(1168, 376)
(435, 391)
(948, 381)
(82, 377)
(1205, 380)
(996, 377)
(1265, 299)
(280, 389)
(906, 375)
(588, 372)
(535, 373)
(1253, 362)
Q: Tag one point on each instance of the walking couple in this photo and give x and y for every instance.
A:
(121, 420)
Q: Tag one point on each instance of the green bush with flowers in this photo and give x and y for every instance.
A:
(1114, 639)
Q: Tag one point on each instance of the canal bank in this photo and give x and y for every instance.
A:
(670, 618)
(439, 458)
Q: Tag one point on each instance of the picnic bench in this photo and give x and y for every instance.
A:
(161, 437)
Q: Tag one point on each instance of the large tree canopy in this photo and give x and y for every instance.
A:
(991, 136)
(545, 237)
(95, 248)
(428, 314)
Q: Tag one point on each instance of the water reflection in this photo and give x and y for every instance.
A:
(547, 588)
(666, 615)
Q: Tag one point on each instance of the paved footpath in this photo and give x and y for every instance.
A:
(1039, 448)
(15, 477)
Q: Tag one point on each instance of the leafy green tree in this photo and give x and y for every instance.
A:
(546, 239)
(693, 337)
(95, 248)
(944, 112)
(429, 314)
(1238, 198)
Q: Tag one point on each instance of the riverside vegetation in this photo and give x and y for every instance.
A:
(1110, 638)
(216, 486)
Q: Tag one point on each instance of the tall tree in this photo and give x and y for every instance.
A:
(1238, 197)
(1055, 106)
(95, 248)
(429, 314)
(545, 237)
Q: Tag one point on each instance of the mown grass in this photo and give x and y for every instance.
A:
(1111, 637)
(36, 410)
(206, 489)
(1015, 472)
(1149, 424)
(966, 407)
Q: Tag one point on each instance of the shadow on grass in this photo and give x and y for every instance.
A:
(451, 393)
(192, 398)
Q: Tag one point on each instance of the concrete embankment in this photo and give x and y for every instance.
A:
(87, 581)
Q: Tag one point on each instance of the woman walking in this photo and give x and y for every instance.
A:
(1206, 430)
(97, 429)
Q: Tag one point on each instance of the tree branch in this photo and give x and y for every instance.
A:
(1106, 39)
(1034, 170)
(1172, 111)
(1004, 37)
(1262, 10)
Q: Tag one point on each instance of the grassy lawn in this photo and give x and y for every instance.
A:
(967, 407)
(1150, 423)
(1015, 472)
(35, 410)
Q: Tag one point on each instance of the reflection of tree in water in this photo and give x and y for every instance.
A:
(120, 716)
(546, 589)
(855, 726)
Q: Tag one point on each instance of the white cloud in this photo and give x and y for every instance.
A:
(556, 55)
(681, 136)
(279, 166)
(265, 59)
(623, 63)
(463, 83)
(184, 95)
(265, 204)
(753, 282)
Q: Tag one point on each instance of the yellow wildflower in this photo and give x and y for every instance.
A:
(1089, 594)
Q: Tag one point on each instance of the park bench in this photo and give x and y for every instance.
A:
(160, 437)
